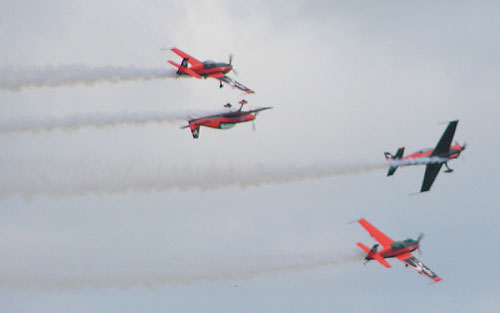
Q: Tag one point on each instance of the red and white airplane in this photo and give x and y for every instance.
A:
(218, 70)
(224, 120)
(432, 158)
(394, 249)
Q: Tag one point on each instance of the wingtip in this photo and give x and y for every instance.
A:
(414, 194)
(448, 122)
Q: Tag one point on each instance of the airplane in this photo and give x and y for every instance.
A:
(223, 120)
(206, 69)
(432, 158)
(398, 249)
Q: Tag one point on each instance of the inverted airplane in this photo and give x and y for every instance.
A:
(218, 70)
(394, 249)
(224, 120)
(432, 158)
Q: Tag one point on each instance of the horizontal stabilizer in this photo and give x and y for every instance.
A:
(392, 170)
(400, 153)
(381, 260)
(363, 247)
(373, 254)
(184, 70)
(398, 156)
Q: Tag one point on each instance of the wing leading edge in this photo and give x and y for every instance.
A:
(382, 238)
(414, 263)
(444, 143)
(431, 172)
(228, 80)
(443, 147)
(191, 60)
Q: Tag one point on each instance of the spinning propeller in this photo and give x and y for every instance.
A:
(231, 63)
(418, 241)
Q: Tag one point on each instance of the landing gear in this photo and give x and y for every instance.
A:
(221, 85)
(448, 170)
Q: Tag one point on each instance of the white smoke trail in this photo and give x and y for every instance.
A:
(66, 276)
(417, 161)
(98, 120)
(63, 178)
(15, 78)
(66, 178)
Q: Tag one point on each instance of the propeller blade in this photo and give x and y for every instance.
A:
(231, 59)
(418, 241)
(235, 72)
(253, 125)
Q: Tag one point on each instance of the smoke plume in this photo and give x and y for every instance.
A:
(15, 78)
(68, 178)
(176, 271)
(98, 120)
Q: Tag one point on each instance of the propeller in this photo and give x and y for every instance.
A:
(253, 121)
(231, 63)
(464, 146)
(418, 241)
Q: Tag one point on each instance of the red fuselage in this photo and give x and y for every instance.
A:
(454, 152)
(222, 121)
(389, 252)
(209, 68)
(397, 248)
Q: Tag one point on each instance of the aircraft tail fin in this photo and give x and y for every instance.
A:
(184, 62)
(195, 131)
(398, 156)
(371, 254)
(184, 69)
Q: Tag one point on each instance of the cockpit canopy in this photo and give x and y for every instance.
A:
(212, 64)
(398, 245)
(226, 125)
(424, 150)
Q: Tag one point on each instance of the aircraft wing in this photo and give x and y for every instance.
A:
(191, 60)
(414, 263)
(444, 143)
(375, 233)
(431, 172)
(228, 80)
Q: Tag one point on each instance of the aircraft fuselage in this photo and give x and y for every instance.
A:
(398, 248)
(453, 153)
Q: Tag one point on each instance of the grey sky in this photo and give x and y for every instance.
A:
(347, 82)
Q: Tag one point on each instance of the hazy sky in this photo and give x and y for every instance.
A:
(142, 217)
